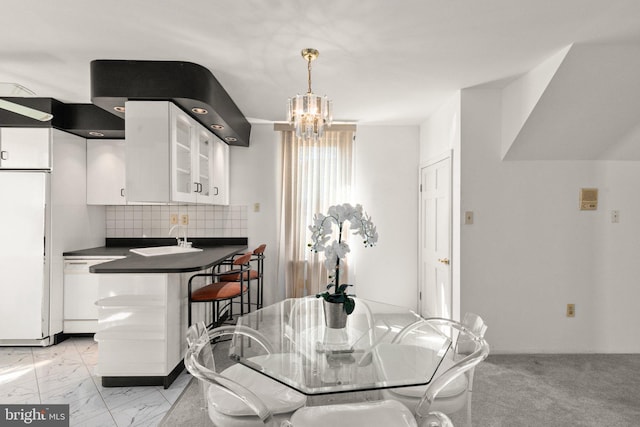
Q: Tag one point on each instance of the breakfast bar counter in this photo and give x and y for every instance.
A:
(174, 263)
(142, 306)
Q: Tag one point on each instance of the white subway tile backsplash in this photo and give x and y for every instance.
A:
(154, 221)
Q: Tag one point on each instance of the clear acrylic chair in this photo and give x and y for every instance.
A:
(451, 389)
(238, 396)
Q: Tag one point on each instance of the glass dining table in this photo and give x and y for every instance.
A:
(298, 350)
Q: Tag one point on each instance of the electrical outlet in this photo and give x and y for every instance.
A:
(173, 219)
(468, 217)
(184, 219)
(571, 310)
(256, 207)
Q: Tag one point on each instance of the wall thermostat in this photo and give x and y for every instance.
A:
(588, 199)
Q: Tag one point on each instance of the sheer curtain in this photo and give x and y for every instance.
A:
(315, 175)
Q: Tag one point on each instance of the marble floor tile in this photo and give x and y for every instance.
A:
(53, 376)
(147, 410)
(176, 389)
(115, 397)
(70, 391)
(12, 356)
(18, 373)
(65, 373)
(87, 407)
(66, 352)
(20, 392)
(105, 419)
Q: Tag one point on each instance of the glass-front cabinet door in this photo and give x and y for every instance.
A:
(204, 185)
(182, 165)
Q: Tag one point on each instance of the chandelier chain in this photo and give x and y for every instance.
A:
(309, 59)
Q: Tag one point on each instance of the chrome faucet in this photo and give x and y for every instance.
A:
(182, 243)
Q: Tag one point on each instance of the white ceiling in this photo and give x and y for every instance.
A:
(381, 61)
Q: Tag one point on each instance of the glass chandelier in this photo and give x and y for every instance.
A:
(309, 114)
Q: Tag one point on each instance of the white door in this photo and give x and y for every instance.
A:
(435, 239)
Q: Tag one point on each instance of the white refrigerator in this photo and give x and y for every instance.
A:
(25, 247)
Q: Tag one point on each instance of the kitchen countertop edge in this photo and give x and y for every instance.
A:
(215, 250)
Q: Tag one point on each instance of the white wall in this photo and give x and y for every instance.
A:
(254, 178)
(386, 165)
(531, 250)
(386, 185)
(438, 135)
(616, 258)
(74, 224)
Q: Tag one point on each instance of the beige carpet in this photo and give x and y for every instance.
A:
(521, 391)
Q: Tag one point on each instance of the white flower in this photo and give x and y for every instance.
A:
(322, 230)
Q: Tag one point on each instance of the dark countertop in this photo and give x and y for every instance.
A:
(215, 250)
(178, 263)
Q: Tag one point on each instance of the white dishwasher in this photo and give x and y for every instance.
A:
(81, 294)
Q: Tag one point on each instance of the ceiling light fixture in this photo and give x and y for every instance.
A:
(309, 114)
(230, 139)
(94, 133)
(199, 110)
(16, 90)
(120, 109)
(217, 127)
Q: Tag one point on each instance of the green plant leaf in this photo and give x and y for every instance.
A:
(349, 305)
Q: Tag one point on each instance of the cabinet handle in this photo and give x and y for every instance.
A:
(122, 192)
(216, 193)
(197, 185)
(4, 155)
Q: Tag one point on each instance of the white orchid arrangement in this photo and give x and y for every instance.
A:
(337, 249)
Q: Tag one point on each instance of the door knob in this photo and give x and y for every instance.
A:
(444, 260)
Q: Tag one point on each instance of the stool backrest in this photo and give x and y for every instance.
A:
(244, 259)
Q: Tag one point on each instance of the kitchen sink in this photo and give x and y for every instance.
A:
(164, 250)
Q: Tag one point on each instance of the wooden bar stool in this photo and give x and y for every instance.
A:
(253, 274)
(221, 290)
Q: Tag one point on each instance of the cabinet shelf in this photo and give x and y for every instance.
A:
(183, 146)
(142, 301)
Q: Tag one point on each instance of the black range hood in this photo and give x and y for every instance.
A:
(190, 86)
(85, 120)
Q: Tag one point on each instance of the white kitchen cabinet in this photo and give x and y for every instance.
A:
(172, 158)
(213, 169)
(220, 173)
(141, 326)
(25, 148)
(106, 172)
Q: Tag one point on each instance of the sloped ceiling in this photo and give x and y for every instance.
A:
(590, 109)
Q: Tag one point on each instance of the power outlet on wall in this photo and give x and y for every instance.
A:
(184, 219)
(571, 310)
(173, 219)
